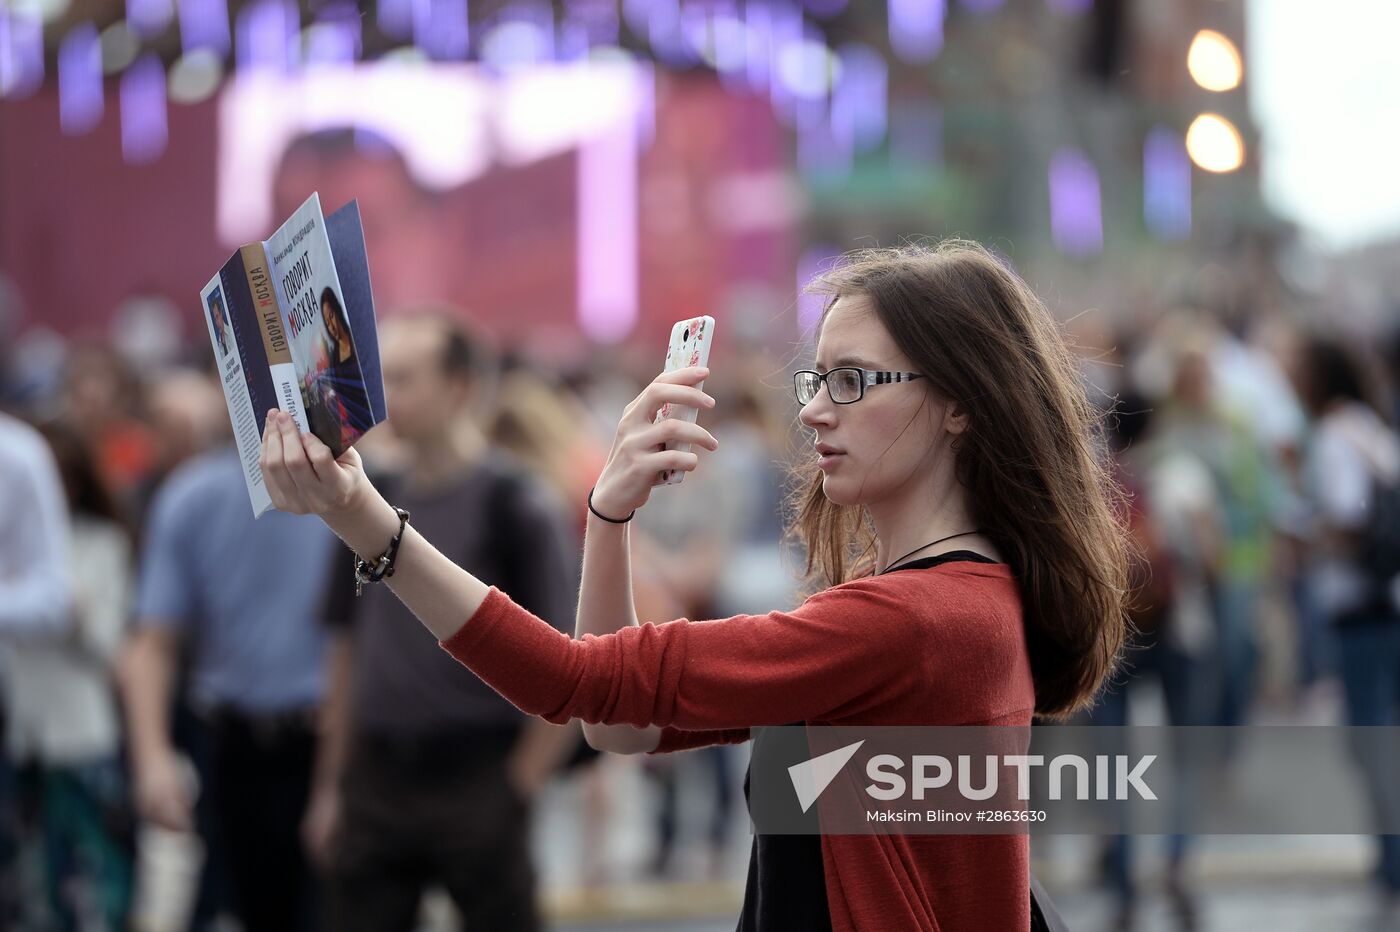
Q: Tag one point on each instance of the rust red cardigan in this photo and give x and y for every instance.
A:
(942, 645)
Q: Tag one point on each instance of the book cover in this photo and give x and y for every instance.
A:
(289, 332)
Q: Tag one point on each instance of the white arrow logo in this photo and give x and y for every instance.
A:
(810, 778)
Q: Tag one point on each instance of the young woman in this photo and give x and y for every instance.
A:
(956, 509)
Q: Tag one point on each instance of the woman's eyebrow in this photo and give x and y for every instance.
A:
(850, 361)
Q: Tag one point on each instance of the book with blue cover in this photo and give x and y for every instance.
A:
(291, 321)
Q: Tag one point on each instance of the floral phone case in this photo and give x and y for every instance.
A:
(690, 346)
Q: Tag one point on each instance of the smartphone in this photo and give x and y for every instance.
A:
(690, 346)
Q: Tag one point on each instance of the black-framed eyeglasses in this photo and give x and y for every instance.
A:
(845, 384)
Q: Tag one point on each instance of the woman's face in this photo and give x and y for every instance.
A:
(332, 320)
(888, 439)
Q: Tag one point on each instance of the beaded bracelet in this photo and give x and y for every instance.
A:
(383, 565)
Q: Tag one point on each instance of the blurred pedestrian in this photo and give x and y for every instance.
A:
(1174, 518)
(240, 599)
(36, 592)
(64, 729)
(1351, 473)
(427, 776)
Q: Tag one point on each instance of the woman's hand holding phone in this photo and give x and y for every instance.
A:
(639, 458)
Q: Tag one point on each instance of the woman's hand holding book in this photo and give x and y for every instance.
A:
(303, 478)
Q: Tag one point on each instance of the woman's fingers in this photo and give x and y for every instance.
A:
(673, 430)
(334, 482)
(675, 459)
(274, 477)
(686, 375)
(291, 481)
(294, 458)
(323, 465)
(680, 394)
(654, 396)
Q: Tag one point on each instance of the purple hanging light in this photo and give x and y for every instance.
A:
(758, 20)
(267, 36)
(666, 34)
(1076, 212)
(860, 99)
(142, 94)
(916, 28)
(1166, 184)
(440, 28)
(204, 25)
(335, 38)
(21, 53)
(574, 43)
(597, 18)
(730, 46)
(785, 33)
(148, 18)
(395, 18)
(80, 80)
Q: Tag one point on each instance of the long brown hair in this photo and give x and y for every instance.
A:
(1032, 458)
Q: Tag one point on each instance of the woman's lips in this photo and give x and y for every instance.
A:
(827, 460)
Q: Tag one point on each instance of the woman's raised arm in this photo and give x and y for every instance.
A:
(303, 478)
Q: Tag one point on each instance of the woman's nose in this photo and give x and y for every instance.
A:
(820, 411)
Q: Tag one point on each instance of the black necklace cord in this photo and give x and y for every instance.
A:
(940, 540)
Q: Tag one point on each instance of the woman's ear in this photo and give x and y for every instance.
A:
(955, 418)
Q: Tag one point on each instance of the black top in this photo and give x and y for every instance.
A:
(786, 886)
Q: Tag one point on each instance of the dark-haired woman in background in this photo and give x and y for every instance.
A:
(956, 510)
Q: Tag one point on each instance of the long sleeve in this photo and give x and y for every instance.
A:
(845, 649)
(35, 587)
(678, 739)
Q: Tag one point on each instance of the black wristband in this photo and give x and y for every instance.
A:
(383, 565)
(599, 514)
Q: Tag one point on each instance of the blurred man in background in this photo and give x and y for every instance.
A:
(426, 775)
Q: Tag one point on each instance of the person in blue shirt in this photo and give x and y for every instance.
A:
(242, 598)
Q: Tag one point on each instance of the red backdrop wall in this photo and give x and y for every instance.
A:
(80, 230)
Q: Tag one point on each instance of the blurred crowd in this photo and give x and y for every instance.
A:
(203, 721)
